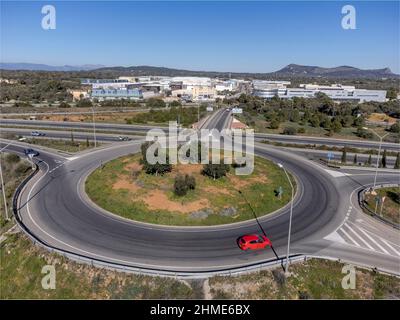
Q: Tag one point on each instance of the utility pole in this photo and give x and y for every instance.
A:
(379, 152)
(290, 219)
(3, 189)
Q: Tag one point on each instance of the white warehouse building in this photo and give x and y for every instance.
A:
(269, 89)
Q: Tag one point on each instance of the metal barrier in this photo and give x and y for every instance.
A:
(158, 272)
(362, 203)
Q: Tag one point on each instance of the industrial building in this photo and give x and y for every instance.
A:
(270, 89)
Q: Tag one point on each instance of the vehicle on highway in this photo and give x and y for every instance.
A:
(32, 152)
(124, 138)
(253, 242)
(37, 134)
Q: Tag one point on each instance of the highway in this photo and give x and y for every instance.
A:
(327, 221)
(141, 129)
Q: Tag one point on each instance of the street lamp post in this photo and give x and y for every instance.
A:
(379, 152)
(290, 219)
(3, 189)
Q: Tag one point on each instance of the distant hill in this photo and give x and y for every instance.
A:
(291, 71)
(336, 72)
(45, 67)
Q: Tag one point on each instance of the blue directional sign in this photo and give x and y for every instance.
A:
(330, 156)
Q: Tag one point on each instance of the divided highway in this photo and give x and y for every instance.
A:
(142, 129)
(54, 208)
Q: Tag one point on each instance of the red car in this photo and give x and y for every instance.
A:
(253, 242)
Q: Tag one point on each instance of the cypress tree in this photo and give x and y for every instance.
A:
(344, 155)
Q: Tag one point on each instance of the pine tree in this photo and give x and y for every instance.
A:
(397, 163)
(383, 160)
(344, 155)
(369, 161)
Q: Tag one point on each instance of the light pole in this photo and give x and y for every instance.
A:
(290, 219)
(3, 189)
(379, 151)
(94, 128)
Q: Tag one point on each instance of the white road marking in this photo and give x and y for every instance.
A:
(358, 236)
(377, 244)
(337, 174)
(390, 246)
(350, 237)
(335, 237)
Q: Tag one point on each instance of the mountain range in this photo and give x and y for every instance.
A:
(45, 67)
(290, 71)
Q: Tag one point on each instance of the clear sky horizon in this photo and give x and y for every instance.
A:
(260, 36)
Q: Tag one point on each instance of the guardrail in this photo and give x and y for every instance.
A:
(258, 266)
(362, 202)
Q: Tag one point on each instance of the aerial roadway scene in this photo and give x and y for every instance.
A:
(200, 159)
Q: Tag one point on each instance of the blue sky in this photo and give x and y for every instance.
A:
(260, 36)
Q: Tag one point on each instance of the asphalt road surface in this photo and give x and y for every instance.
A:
(55, 209)
(135, 129)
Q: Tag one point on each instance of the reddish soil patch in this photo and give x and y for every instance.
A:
(126, 184)
(241, 183)
(187, 169)
(158, 200)
(212, 189)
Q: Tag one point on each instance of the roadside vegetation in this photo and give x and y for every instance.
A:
(68, 145)
(187, 194)
(319, 116)
(15, 170)
(389, 208)
(21, 264)
(314, 279)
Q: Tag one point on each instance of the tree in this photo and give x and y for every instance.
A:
(391, 94)
(295, 116)
(84, 103)
(87, 142)
(314, 121)
(274, 124)
(290, 131)
(355, 160)
(190, 182)
(344, 155)
(397, 163)
(155, 103)
(369, 161)
(215, 171)
(336, 126)
(156, 168)
(395, 128)
(383, 160)
(180, 187)
(362, 133)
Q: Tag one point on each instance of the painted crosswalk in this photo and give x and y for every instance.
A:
(353, 234)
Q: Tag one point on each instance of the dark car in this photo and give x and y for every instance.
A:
(37, 134)
(122, 138)
(32, 152)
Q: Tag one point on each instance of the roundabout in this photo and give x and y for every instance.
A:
(53, 208)
(122, 187)
(60, 216)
